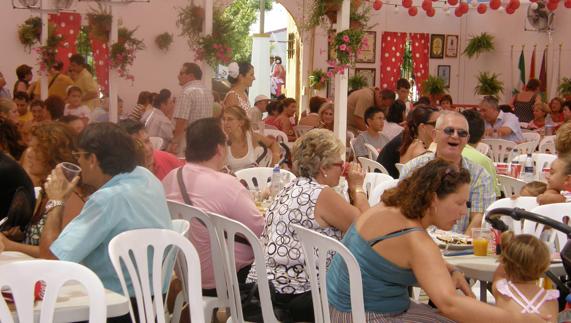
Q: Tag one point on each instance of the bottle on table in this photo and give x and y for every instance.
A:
(548, 126)
(528, 173)
(276, 181)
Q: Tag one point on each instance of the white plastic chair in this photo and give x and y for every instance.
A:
(373, 179)
(157, 142)
(209, 303)
(557, 212)
(500, 150)
(510, 185)
(483, 147)
(532, 137)
(352, 146)
(131, 248)
(278, 134)
(260, 177)
(21, 278)
(226, 230)
(540, 161)
(300, 130)
(181, 226)
(373, 153)
(319, 246)
(375, 196)
(547, 144)
(523, 202)
(527, 147)
(370, 165)
(399, 166)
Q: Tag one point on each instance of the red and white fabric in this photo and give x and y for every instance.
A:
(68, 25)
(420, 61)
(392, 52)
(100, 52)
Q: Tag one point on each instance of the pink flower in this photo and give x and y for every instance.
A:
(342, 47)
(330, 74)
(346, 38)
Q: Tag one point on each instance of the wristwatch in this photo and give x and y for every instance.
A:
(53, 204)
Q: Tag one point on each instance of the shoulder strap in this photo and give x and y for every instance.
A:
(53, 80)
(183, 191)
(149, 117)
(394, 234)
(524, 302)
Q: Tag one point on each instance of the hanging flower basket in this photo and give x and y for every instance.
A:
(317, 79)
(346, 45)
(122, 53)
(164, 41)
(100, 21)
(47, 54)
(479, 44)
(190, 20)
(30, 32)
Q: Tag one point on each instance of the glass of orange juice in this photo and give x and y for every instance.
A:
(480, 240)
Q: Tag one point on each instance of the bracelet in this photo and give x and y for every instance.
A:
(360, 190)
(52, 204)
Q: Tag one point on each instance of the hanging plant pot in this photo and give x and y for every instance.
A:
(355, 24)
(100, 23)
(331, 9)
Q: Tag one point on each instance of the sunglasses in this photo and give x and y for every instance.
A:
(449, 131)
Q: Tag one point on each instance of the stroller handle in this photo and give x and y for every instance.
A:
(493, 217)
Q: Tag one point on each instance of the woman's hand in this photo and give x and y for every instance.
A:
(355, 176)
(12, 234)
(57, 187)
(460, 283)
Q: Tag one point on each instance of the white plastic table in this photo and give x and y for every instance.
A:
(483, 269)
(73, 302)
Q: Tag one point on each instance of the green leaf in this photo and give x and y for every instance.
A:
(489, 84)
(479, 44)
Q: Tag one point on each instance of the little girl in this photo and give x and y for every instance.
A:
(524, 259)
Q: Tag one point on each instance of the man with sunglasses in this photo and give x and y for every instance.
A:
(451, 136)
(499, 124)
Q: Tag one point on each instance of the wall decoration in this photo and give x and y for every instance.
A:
(443, 72)
(436, 46)
(368, 51)
(479, 44)
(451, 46)
(368, 74)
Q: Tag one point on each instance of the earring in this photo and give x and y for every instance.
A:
(325, 175)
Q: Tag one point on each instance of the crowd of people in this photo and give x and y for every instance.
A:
(126, 179)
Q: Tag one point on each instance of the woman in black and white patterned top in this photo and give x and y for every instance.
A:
(309, 201)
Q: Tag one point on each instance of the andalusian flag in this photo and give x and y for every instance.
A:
(521, 67)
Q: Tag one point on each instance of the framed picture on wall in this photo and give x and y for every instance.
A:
(368, 74)
(451, 46)
(443, 72)
(436, 46)
(368, 54)
(330, 85)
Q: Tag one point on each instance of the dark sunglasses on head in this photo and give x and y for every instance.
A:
(451, 130)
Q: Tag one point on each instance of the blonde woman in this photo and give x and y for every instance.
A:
(309, 201)
(326, 116)
(540, 116)
(241, 76)
(245, 147)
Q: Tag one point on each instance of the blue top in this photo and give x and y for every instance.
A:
(128, 201)
(385, 285)
(506, 119)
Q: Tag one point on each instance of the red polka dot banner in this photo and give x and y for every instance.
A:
(419, 48)
(392, 52)
(100, 51)
(68, 25)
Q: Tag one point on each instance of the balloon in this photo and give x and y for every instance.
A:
(534, 6)
(430, 12)
(510, 10)
(552, 6)
(464, 7)
(514, 4)
(568, 4)
(452, 2)
(377, 5)
(412, 11)
(407, 3)
(458, 12)
(495, 4)
(482, 8)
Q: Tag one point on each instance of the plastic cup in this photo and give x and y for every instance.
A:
(480, 240)
(70, 170)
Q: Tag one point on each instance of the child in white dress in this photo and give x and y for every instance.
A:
(523, 261)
